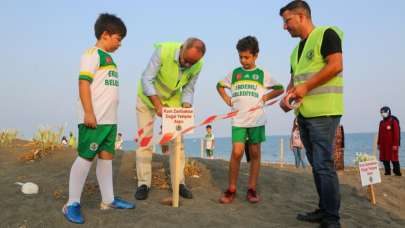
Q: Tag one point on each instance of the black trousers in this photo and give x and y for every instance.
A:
(395, 167)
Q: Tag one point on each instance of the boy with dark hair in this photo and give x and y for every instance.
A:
(248, 85)
(98, 91)
(209, 142)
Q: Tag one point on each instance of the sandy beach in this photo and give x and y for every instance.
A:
(284, 192)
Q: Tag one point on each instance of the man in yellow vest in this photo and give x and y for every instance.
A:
(317, 83)
(168, 81)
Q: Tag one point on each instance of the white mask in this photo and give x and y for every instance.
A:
(384, 114)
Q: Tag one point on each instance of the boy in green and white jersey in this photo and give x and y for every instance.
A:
(98, 91)
(209, 142)
(249, 86)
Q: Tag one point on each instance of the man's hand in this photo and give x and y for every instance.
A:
(157, 104)
(186, 105)
(90, 120)
(158, 110)
(298, 92)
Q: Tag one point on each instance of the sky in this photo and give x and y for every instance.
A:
(43, 41)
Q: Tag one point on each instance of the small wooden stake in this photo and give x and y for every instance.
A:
(176, 174)
(372, 194)
(202, 148)
(375, 145)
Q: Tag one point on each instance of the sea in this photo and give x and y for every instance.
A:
(271, 149)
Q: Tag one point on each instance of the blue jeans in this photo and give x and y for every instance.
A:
(298, 157)
(317, 135)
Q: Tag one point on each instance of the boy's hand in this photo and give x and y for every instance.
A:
(90, 120)
(228, 101)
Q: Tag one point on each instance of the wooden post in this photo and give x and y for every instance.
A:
(375, 146)
(372, 194)
(202, 148)
(176, 174)
(281, 152)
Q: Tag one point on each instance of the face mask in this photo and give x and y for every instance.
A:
(384, 114)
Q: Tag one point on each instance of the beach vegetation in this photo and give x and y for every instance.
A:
(7, 136)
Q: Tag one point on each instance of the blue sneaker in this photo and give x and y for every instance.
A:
(72, 213)
(118, 203)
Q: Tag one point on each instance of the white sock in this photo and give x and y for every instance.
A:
(105, 180)
(78, 174)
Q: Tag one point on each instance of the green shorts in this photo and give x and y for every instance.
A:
(254, 134)
(94, 140)
(209, 152)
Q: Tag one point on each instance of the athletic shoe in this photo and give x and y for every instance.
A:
(72, 213)
(118, 203)
(227, 197)
(252, 196)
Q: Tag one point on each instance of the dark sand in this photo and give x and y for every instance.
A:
(284, 192)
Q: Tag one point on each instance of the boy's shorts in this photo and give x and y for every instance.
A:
(209, 152)
(254, 134)
(94, 140)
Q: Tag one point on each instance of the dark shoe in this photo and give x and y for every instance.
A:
(387, 173)
(252, 196)
(329, 224)
(227, 197)
(142, 192)
(398, 174)
(184, 192)
(315, 216)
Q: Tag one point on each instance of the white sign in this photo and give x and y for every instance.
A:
(369, 173)
(177, 119)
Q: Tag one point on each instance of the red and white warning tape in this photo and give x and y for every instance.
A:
(167, 137)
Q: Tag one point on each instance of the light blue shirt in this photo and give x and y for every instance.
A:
(150, 74)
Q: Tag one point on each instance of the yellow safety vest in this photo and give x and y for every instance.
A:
(327, 99)
(167, 83)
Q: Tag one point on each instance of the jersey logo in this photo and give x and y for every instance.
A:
(246, 76)
(238, 76)
(256, 77)
(310, 54)
(108, 59)
(93, 146)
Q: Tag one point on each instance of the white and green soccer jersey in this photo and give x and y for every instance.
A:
(247, 88)
(99, 69)
(209, 141)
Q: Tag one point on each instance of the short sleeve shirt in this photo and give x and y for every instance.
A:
(247, 88)
(209, 138)
(98, 67)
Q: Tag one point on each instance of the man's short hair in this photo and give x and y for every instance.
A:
(248, 43)
(297, 5)
(196, 43)
(111, 24)
(208, 126)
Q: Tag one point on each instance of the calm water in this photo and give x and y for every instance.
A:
(354, 143)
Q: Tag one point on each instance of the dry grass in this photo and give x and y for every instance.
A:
(7, 136)
(160, 179)
(45, 141)
(192, 168)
